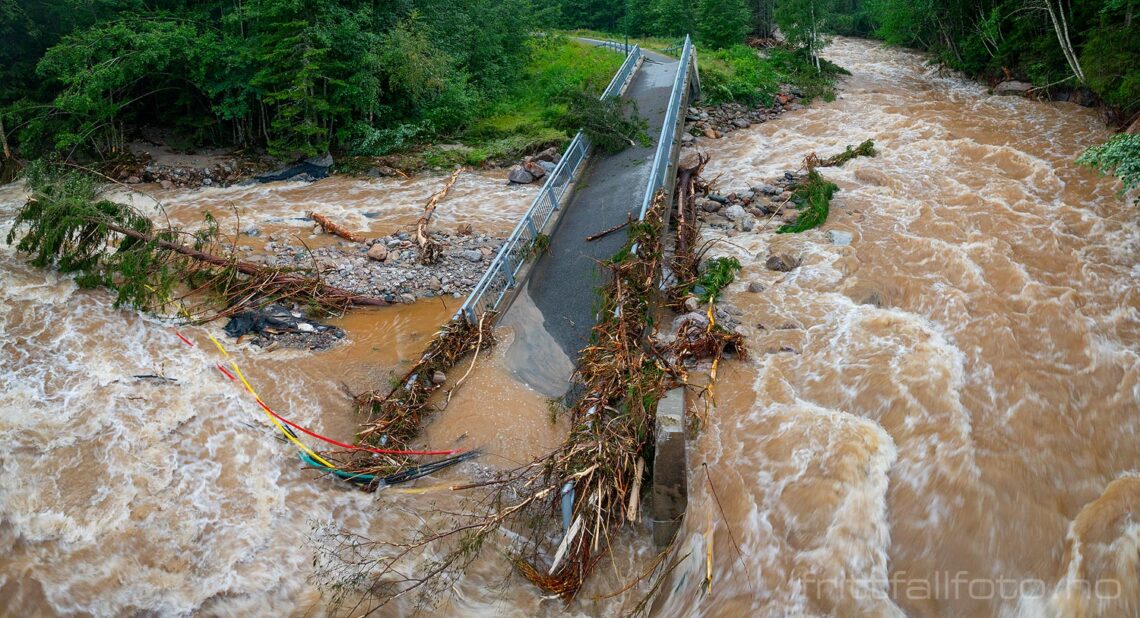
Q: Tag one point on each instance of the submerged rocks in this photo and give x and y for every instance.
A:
(839, 238)
(781, 262)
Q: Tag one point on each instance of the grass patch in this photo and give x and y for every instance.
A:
(740, 74)
(812, 197)
(526, 117)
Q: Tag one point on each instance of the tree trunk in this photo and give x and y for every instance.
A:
(246, 268)
(4, 139)
(1061, 27)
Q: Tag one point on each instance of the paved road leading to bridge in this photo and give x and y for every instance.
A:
(553, 315)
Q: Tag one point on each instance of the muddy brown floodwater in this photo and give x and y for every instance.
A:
(954, 431)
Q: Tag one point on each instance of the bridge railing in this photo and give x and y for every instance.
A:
(663, 158)
(520, 246)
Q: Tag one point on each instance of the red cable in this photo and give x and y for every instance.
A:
(379, 451)
(314, 434)
(223, 370)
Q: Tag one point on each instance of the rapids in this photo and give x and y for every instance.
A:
(955, 428)
(961, 402)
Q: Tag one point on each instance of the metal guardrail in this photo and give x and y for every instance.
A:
(664, 156)
(500, 277)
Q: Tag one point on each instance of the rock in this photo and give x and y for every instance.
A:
(789, 176)
(839, 237)
(741, 123)
(407, 299)
(789, 217)
(251, 232)
(550, 155)
(692, 304)
(697, 317)
(735, 212)
(438, 378)
(471, 255)
(781, 262)
(756, 287)
(711, 134)
(746, 223)
(378, 252)
(324, 160)
(519, 175)
(534, 169)
(305, 327)
(767, 190)
(687, 138)
(133, 180)
(1013, 88)
(166, 184)
(708, 205)
(434, 284)
(547, 166)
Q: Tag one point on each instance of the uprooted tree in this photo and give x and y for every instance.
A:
(68, 223)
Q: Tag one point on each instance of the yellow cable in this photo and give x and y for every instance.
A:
(261, 404)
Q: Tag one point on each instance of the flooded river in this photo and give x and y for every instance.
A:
(953, 431)
(955, 427)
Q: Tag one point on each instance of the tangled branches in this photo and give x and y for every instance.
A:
(594, 478)
(67, 224)
(395, 417)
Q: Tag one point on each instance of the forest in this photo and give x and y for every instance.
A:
(302, 77)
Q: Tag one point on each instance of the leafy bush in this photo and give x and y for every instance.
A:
(1120, 156)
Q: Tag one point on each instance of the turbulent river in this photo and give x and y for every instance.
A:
(939, 419)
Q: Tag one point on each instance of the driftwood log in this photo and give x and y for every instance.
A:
(430, 249)
(332, 228)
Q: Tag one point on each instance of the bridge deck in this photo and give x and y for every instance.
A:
(553, 315)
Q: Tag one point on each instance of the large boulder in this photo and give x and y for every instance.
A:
(534, 169)
(1013, 88)
(519, 176)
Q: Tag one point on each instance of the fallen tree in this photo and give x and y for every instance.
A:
(66, 223)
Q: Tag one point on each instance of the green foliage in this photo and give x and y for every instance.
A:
(295, 76)
(722, 23)
(1120, 156)
(743, 75)
(738, 74)
(67, 225)
(718, 274)
(813, 198)
(802, 22)
(612, 124)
